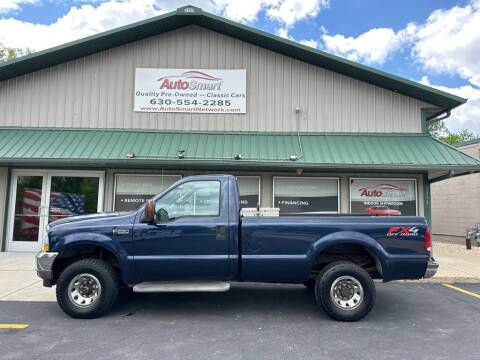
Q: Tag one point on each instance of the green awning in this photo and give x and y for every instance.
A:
(169, 149)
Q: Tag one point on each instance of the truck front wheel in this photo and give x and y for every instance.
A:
(345, 291)
(87, 288)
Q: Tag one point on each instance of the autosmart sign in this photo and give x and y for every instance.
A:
(385, 196)
(190, 90)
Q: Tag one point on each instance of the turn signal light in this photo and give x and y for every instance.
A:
(428, 240)
(45, 247)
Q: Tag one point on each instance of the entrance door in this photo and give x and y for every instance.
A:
(27, 210)
(40, 197)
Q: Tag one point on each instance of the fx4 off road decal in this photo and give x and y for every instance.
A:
(403, 231)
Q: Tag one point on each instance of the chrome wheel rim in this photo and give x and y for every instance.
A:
(346, 293)
(84, 290)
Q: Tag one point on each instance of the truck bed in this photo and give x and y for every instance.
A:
(281, 248)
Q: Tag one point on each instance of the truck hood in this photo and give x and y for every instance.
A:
(74, 219)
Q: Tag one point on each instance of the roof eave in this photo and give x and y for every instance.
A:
(234, 164)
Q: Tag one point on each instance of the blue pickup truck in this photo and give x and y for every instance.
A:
(192, 237)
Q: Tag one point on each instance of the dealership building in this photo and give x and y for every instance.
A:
(105, 122)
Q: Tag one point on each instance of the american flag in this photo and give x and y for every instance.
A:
(62, 204)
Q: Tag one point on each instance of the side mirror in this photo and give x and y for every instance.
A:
(161, 217)
(149, 213)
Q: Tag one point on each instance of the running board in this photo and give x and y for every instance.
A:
(181, 286)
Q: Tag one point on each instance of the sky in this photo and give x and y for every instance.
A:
(435, 42)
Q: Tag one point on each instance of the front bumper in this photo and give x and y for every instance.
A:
(431, 270)
(45, 266)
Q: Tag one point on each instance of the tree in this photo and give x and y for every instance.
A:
(7, 54)
(439, 130)
(456, 138)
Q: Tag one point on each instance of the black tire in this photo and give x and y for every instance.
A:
(309, 284)
(367, 292)
(109, 288)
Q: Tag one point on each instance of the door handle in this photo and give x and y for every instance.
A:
(221, 232)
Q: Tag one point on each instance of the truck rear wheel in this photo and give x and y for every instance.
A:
(87, 288)
(345, 291)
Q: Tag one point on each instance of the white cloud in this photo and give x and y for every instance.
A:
(466, 116)
(77, 23)
(312, 43)
(449, 42)
(239, 10)
(7, 6)
(285, 12)
(289, 12)
(371, 47)
(283, 32)
(87, 19)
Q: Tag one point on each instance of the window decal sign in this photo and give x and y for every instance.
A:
(306, 194)
(132, 190)
(249, 187)
(190, 91)
(383, 196)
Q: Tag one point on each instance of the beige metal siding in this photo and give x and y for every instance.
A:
(3, 201)
(97, 91)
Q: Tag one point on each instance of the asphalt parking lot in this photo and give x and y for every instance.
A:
(252, 321)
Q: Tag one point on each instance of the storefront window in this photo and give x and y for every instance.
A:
(132, 190)
(306, 195)
(73, 195)
(249, 187)
(383, 196)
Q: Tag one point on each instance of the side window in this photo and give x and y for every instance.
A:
(194, 198)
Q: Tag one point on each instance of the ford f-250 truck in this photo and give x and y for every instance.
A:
(191, 237)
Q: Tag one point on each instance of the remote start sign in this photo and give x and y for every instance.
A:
(190, 91)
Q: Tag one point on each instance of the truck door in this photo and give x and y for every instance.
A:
(193, 242)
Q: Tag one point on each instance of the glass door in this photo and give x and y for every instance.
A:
(40, 197)
(27, 211)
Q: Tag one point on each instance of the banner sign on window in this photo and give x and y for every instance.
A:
(306, 195)
(249, 187)
(383, 196)
(132, 190)
(190, 91)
